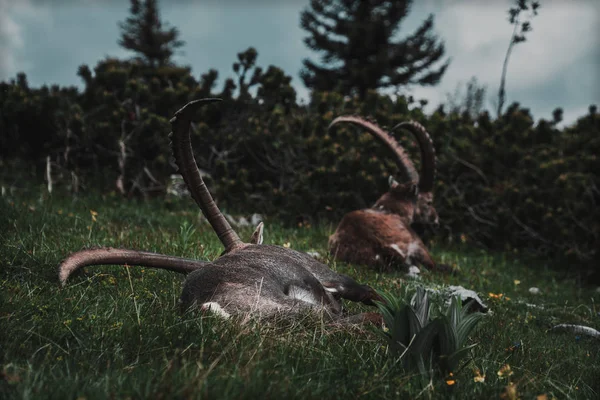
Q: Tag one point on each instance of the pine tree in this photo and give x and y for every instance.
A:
(357, 39)
(143, 33)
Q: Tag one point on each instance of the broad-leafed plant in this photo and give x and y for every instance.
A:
(424, 343)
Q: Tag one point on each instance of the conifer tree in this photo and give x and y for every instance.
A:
(360, 50)
(142, 32)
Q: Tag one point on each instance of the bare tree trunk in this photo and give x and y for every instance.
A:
(122, 160)
(49, 174)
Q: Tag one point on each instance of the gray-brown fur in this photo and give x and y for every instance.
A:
(262, 277)
(247, 278)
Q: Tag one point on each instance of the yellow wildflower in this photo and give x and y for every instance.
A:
(287, 245)
(478, 378)
(94, 214)
(505, 371)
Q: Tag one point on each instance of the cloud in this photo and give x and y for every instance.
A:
(10, 41)
(214, 34)
(557, 66)
(559, 48)
(13, 14)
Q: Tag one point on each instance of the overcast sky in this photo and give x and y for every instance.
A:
(558, 66)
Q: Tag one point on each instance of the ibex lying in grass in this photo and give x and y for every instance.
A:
(425, 212)
(248, 278)
(382, 234)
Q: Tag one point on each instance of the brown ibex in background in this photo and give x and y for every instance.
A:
(382, 234)
(248, 278)
(425, 212)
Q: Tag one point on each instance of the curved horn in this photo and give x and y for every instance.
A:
(184, 158)
(405, 165)
(427, 174)
(110, 256)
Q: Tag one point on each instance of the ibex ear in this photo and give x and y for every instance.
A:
(257, 236)
(392, 182)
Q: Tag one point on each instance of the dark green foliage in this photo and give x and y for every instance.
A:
(356, 39)
(470, 101)
(143, 33)
(34, 122)
(521, 185)
(246, 62)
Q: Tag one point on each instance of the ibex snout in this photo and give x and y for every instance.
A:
(425, 212)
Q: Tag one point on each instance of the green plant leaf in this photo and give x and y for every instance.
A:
(447, 339)
(424, 339)
(414, 322)
(421, 305)
(453, 312)
(466, 325)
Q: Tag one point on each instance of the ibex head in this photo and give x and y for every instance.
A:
(401, 199)
(424, 211)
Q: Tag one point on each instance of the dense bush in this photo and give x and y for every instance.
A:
(502, 183)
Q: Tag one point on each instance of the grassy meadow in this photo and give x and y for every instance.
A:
(116, 332)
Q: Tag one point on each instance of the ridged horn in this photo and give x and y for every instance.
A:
(405, 165)
(427, 175)
(184, 158)
(110, 256)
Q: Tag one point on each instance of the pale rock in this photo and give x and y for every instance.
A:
(534, 290)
